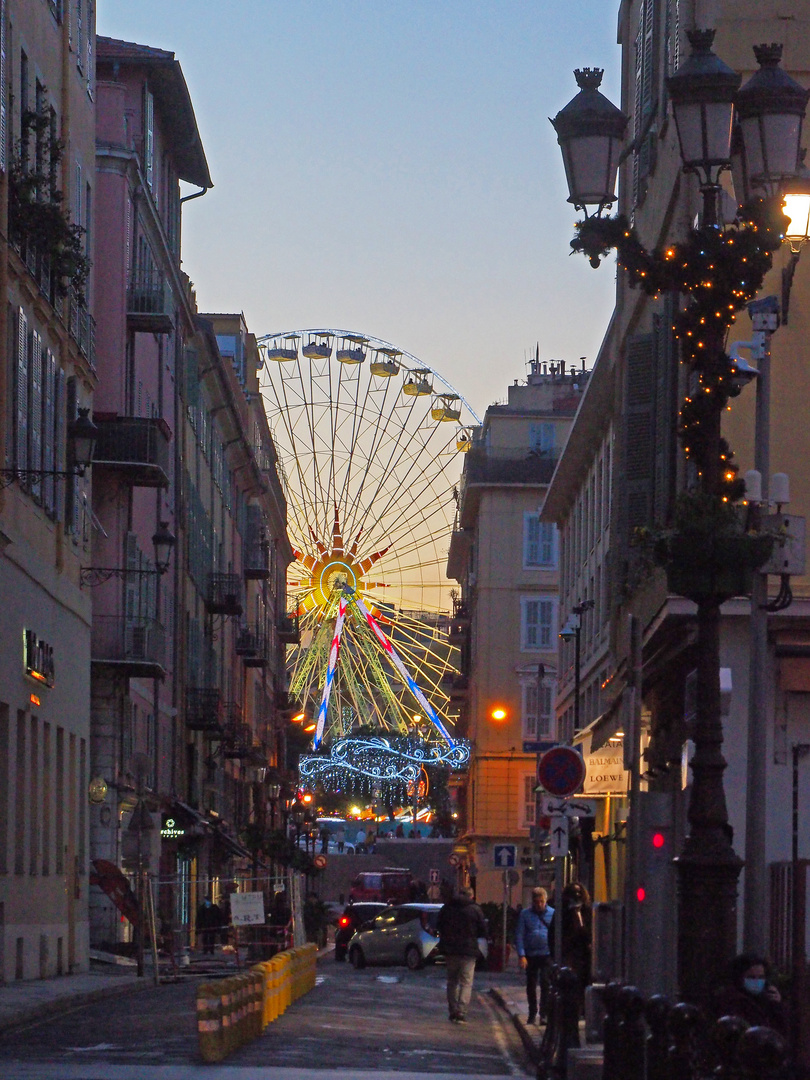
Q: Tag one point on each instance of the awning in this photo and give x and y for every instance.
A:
(215, 829)
(604, 727)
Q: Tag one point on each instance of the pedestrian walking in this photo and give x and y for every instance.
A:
(325, 840)
(340, 837)
(533, 948)
(461, 923)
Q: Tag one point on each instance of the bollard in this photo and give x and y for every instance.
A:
(209, 1023)
(258, 1002)
(633, 1033)
(612, 1033)
(727, 1032)
(764, 1055)
(657, 1014)
(684, 1024)
(567, 1010)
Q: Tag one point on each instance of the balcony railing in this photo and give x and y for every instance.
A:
(289, 631)
(251, 645)
(509, 467)
(257, 560)
(203, 709)
(136, 447)
(136, 647)
(149, 304)
(224, 595)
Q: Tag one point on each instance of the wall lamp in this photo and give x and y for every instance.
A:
(163, 542)
(81, 441)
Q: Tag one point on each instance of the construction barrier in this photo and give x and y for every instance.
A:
(233, 1011)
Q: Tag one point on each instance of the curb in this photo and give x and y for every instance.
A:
(531, 1047)
(66, 1004)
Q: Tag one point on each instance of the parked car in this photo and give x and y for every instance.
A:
(391, 885)
(403, 934)
(351, 919)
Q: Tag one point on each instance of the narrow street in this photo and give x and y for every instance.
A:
(374, 1023)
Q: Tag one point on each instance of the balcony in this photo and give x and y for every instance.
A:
(256, 561)
(289, 632)
(237, 741)
(459, 623)
(509, 466)
(135, 647)
(224, 596)
(149, 304)
(135, 447)
(203, 709)
(251, 645)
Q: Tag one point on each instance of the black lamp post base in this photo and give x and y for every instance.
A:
(707, 919)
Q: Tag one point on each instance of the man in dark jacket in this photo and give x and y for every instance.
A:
(461, 923)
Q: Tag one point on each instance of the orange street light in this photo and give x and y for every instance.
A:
(498, 713)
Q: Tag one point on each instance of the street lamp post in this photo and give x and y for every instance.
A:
(572, 631)
(705, 550)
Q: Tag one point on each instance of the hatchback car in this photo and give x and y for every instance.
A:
(404, 934)
(352, 918)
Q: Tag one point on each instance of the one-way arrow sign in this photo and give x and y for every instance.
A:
(505, 855)
(558, 834)
(572, 807)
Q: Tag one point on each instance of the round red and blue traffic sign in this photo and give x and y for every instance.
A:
(561, 771)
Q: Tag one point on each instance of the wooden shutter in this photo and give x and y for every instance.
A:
(639, 432)
(72, 482)
(35, 413)
(666, 410)
(59, 441)
(21, 424)
(3, 80)
(48, 429)
(149, 137)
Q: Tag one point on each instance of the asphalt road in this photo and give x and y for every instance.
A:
(373, 1023)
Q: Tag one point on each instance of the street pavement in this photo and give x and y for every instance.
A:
(375, 1024)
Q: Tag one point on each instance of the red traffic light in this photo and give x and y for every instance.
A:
(641, 894)
(658, 840)
(344, 920)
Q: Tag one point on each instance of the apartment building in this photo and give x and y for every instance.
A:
(47, 374)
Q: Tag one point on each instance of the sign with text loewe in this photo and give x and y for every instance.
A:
(606, 773)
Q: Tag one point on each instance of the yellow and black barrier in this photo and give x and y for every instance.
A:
(231, 1012)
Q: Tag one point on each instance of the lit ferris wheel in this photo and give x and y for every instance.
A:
(369, 440)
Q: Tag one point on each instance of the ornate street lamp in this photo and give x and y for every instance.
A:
(81, 442)
(771, 109)
(163, 542)
(590, 131)
(705, 552)
(702, 91)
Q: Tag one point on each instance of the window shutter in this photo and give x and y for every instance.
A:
(79, 33)
(3, 98)
(530, 711)
(639, 435)
(35, 414)
(149, 137)
(532, 550)
(192, 377)
(547, 543)
(131, 606)
(77, 195)
(90, 34)
(59, 441)
(48, 432)
(72, 483)
(21, 426)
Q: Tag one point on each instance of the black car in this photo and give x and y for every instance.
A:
(354, 916)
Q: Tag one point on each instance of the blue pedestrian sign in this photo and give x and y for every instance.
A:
(505, 856)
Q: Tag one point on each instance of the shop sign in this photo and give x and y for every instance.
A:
(606, 772)
(170, 828)
(38, 658)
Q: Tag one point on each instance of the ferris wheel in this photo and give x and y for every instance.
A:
(369, 441)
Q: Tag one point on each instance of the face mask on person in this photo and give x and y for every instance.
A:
(754, 986)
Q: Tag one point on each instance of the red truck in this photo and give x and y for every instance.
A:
(391, 885)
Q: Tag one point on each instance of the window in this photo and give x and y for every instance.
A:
(539, 541)
(541, 437)
(537, 624)
(529, 801)
(538, 714)
(149, 139)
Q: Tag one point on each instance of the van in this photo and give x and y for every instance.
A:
(391, 885)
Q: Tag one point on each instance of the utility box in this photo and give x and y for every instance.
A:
(788, 555)
(608, 941)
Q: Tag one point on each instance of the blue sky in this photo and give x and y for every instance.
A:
(388, 166)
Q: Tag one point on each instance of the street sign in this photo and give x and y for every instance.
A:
(319, 861)
(247, 909)
(574, 806)
(434, 877)
(561, 771)
(558, 834)
(510, 878)
(505, 855)
(453, 858)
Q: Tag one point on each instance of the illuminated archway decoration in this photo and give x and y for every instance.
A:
(366, 763)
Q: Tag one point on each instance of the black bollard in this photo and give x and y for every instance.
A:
(633, 1033)
(763, 1054)
(612, 1033)
(657, 1015)
(548, 1043)
(685, 1022)
(568, 1026)
(726, 1036)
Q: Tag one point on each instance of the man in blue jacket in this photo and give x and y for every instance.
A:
(534, 949)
